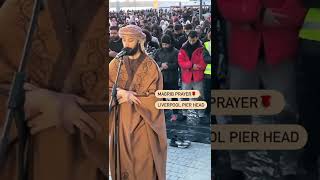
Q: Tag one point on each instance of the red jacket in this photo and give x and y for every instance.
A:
(280, 43)
(189, 75)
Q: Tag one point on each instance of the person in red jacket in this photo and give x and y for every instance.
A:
(192, 64)
(263, 43)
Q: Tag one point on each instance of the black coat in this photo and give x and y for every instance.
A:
(180, 40)
(171, 74)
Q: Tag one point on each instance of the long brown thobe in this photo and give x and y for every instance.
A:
(142, 131)
(68, 57)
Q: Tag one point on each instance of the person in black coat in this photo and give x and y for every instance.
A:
(180, 36)
(167, 59)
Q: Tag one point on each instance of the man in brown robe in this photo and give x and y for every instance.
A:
(142, 130)
(66, 98)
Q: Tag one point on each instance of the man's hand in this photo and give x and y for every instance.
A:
(271, 18)
(127, 96)
(164, 65)
(112, 53)
(45, 109)
(195, 67)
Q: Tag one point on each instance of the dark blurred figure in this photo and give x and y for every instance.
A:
(171, 35)
(170, 27)
(115, 42)
(1, 2)
(195, 21)
(180, 36)
(150, 45)
(156, 31)
(167, 59)
(309, 88)
(207, 73)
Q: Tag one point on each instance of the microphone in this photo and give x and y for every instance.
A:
(122, 53)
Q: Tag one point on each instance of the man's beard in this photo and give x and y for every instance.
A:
(132, 51)
(168, 49)
(115, 38)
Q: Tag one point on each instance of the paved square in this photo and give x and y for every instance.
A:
(193, 163)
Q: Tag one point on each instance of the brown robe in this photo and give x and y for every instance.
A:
(68, 55)
(142, 130)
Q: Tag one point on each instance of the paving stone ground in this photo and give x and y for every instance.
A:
(193, 163)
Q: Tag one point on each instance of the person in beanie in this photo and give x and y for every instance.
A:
(167, 59)
(192, 64)
(180, 36)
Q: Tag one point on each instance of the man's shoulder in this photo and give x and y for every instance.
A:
(150, 63)
(149, 59)
(113, 62)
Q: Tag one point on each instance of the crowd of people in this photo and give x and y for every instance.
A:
(180, 43)
(271, 45)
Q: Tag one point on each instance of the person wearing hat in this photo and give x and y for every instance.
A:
(167, 59)
(142, 129)
(180, 36)
(192, 64)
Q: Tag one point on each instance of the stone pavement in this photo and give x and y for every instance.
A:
(191, 128)
(193, 163)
